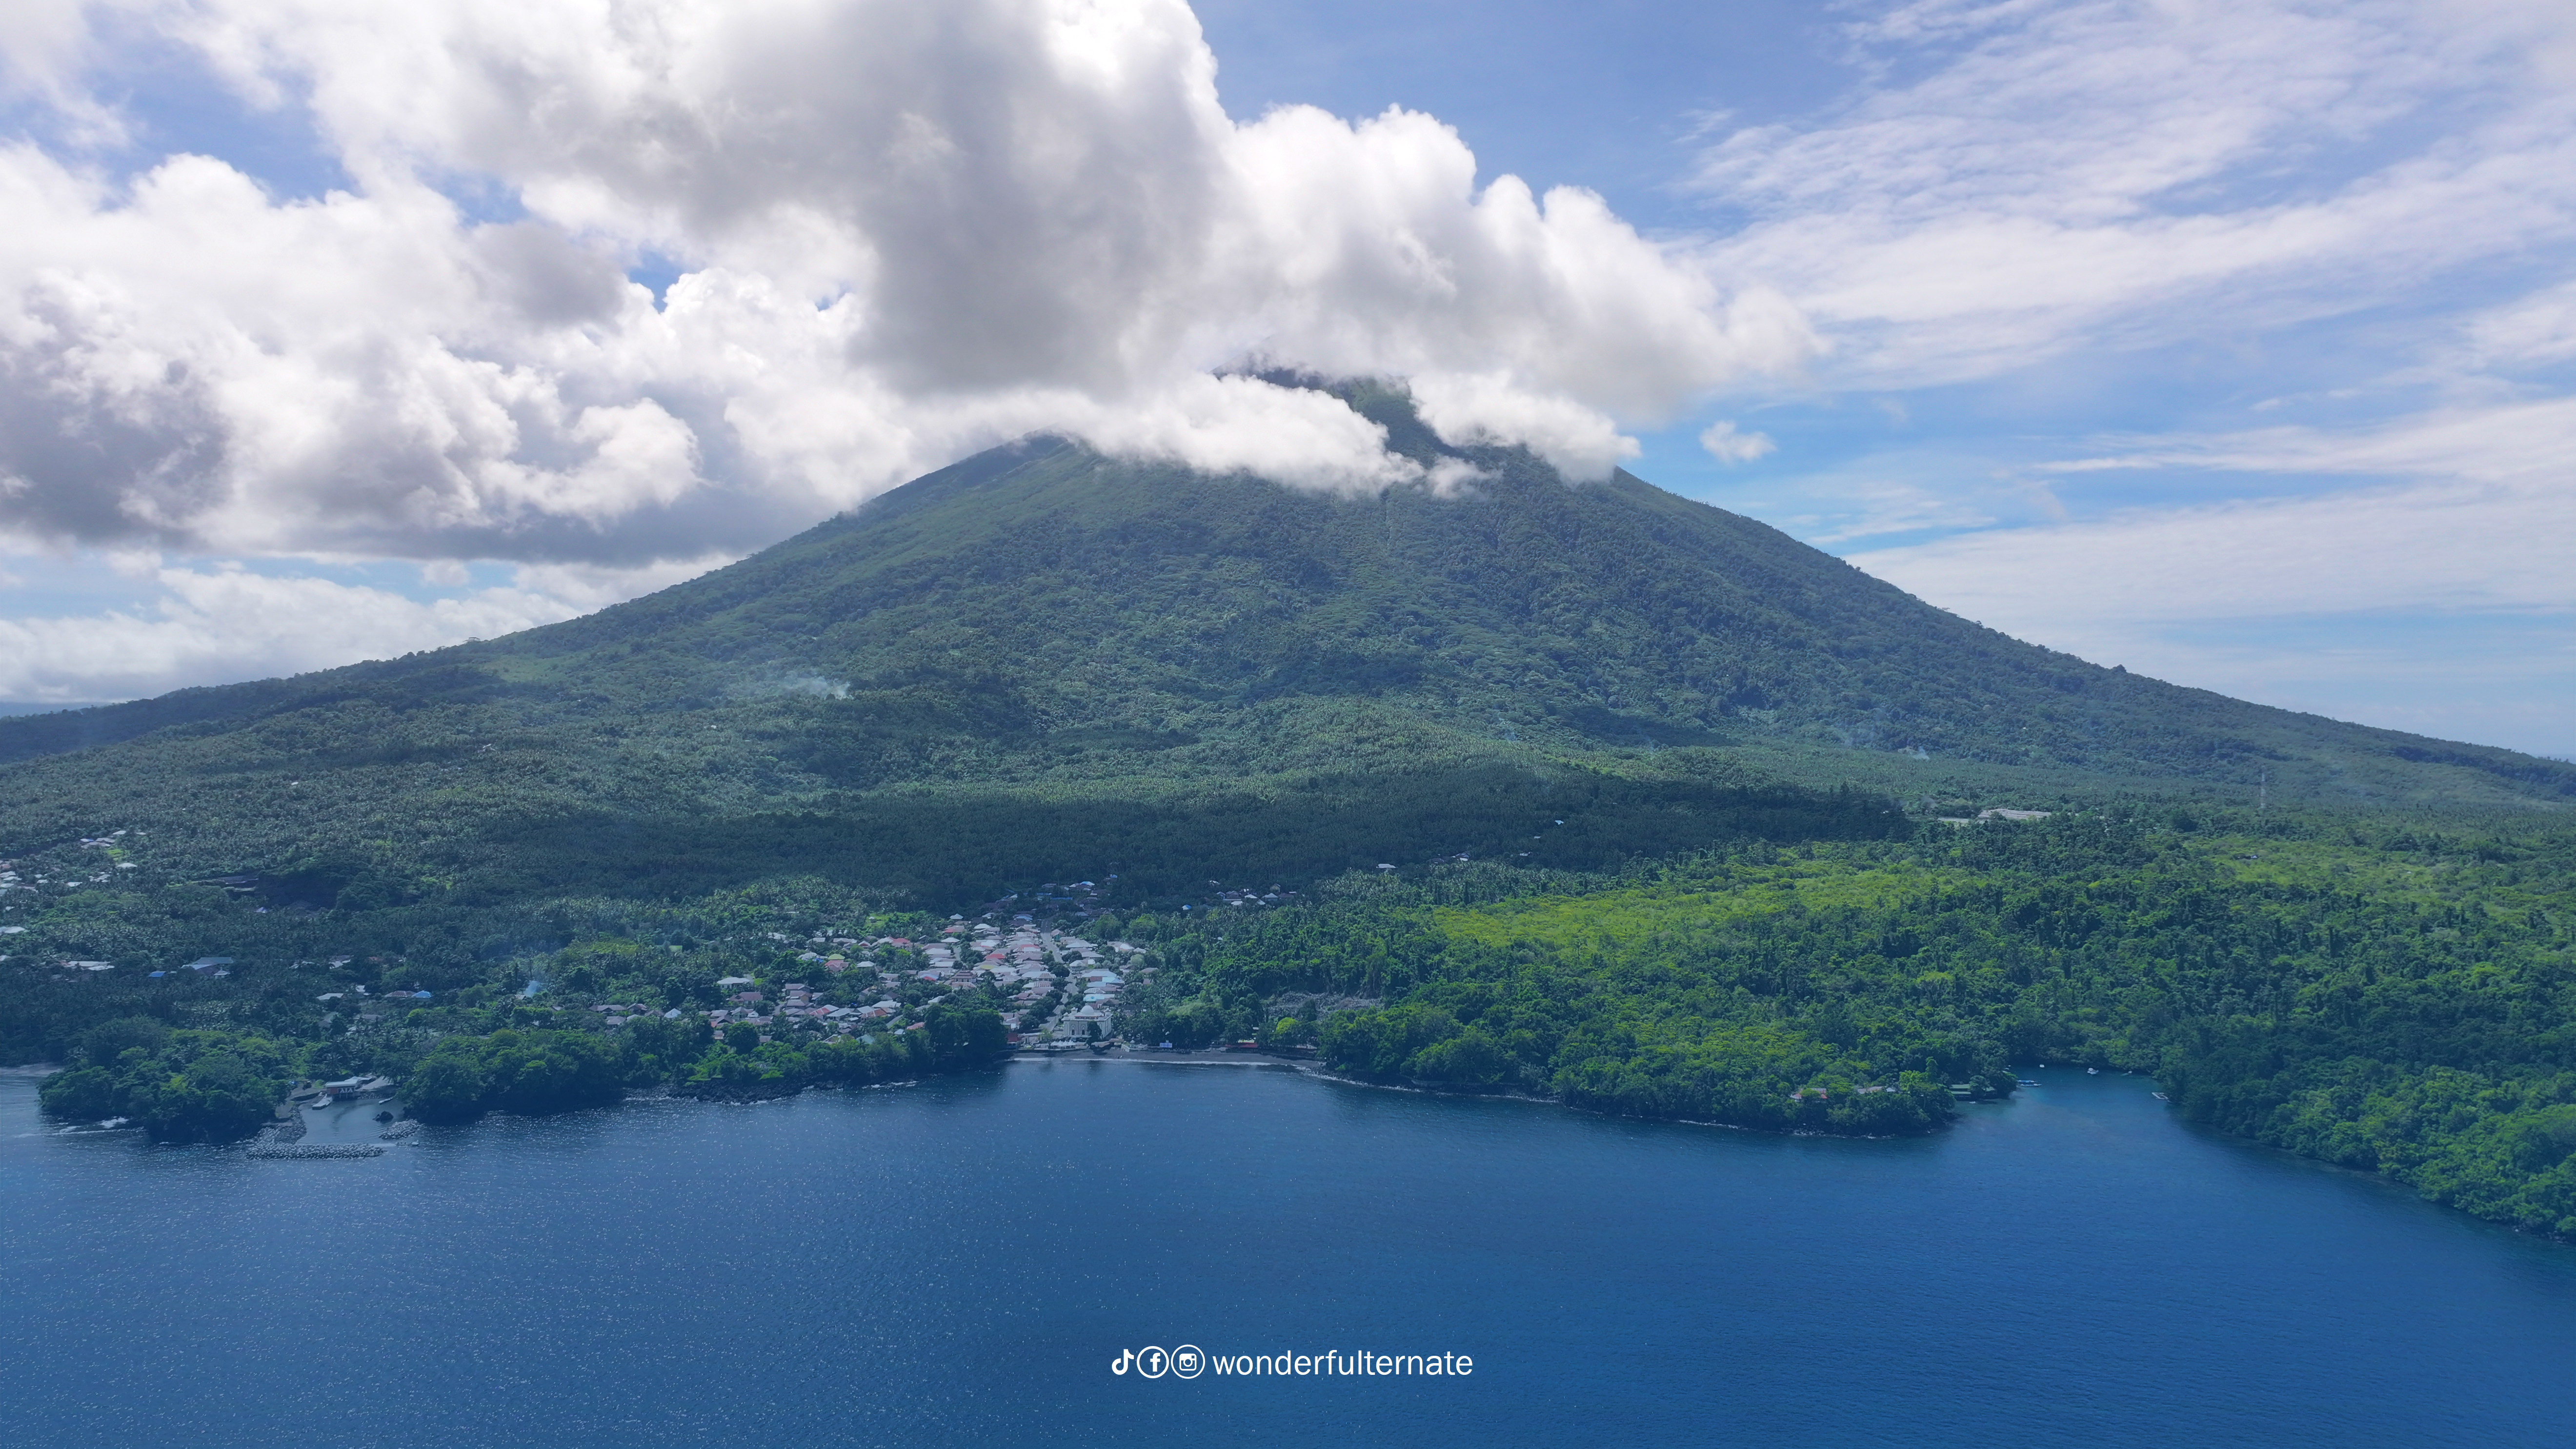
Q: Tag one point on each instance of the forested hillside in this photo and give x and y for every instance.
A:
(2386, 997)
(1044, 661)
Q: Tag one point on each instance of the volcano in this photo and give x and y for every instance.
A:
(1045, 662)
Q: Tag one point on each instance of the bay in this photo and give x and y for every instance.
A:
(959, 1262)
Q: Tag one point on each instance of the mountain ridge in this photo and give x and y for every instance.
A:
(1043, 623)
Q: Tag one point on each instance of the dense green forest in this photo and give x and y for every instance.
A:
(2391, 998)
(2397, 998)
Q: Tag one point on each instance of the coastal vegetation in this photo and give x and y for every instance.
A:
(2389, 997)
(179, 1086)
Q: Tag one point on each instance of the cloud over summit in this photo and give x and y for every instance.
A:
(2037, 297)
(900, 232)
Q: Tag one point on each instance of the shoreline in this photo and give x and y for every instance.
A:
(1162, 1058)
(1318, 1071)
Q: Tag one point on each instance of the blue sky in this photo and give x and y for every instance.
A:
(2234, 345)
(1622, 98)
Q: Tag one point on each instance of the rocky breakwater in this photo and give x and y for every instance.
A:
(312, 1151)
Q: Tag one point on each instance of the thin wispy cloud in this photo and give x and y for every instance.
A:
(223, 623)
(2029, 192)
(2479, 537)
(2076, 174)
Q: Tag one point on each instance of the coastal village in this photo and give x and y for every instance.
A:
(1057, 990)
(1061, 989)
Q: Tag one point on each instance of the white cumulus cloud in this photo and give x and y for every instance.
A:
(903, 232)
(1721, 440)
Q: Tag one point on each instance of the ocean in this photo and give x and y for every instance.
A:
(967, 1261)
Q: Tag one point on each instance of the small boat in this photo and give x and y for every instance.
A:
(2092, 1071)
(2161, 1097)
(2024, 1082)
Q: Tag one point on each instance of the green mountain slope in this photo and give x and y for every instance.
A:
(1042, 661)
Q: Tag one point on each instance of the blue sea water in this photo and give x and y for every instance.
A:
(958, 1262)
